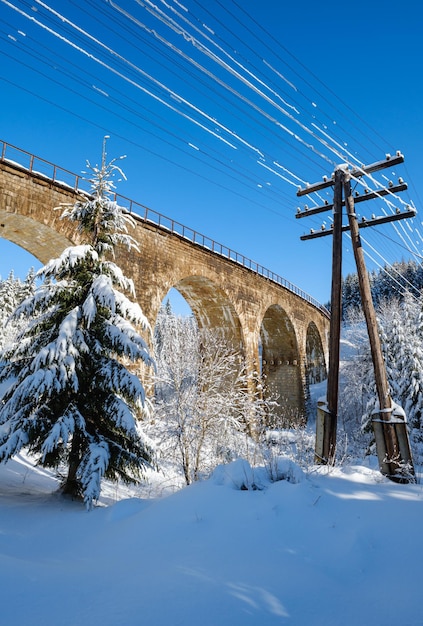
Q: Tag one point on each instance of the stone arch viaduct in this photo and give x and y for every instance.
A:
(279, 329)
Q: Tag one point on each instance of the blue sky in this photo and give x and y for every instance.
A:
(221, 108)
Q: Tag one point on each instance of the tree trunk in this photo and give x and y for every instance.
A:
(72, 484)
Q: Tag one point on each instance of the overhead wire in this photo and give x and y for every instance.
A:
(43, 4)
(94, 39)
(134, 67)
(239, 112)
(277, 167)
(222, 171)
(225, 167)
(281, 46)
(278, 44)
(394, 270)
(264, 62)
(339, 146)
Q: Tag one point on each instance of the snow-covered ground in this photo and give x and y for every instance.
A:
(339, 547)
(328, 548)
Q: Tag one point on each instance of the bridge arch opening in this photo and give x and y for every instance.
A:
(211, 308)
(178, 304)
(280, 365)
(195, 305)
(14, 257)
(315, 357)
(200, 300)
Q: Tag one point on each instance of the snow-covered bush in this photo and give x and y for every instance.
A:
(284, 446)
(243, 476)
(207, 410)
(239, 475)
(72, 402)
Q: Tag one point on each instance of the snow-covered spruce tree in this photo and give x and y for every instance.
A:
(401, 333)
(409, 379)
(12, 292)
(8, 302)
(72, 402)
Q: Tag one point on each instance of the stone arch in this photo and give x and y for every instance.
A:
(315, 356)
(43, 241)
(281, 359)
(212, 308)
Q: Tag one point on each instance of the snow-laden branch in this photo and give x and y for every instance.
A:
(61, 431)
(114, 376)
(70, 258)
(121, 335)
(93, 467)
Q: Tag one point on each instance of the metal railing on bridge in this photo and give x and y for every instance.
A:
(43, 169)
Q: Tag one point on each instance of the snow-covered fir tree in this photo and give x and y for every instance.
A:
(410, 361)
(72, 402)
(8, 303)
(391, 281)
(8, 294)
(28, 286)
(12, 292)
(350, 293)
(401, 333)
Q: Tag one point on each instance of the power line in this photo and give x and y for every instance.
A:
(247, 176)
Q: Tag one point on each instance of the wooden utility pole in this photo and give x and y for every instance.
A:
(328, 435)
(390, 428)
(393, 454)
